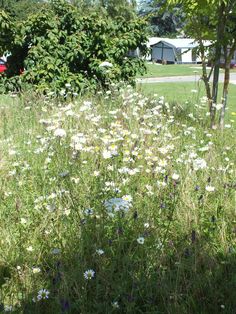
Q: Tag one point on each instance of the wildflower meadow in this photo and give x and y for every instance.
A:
(115, 203)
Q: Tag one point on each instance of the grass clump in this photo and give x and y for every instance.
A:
(115, 204)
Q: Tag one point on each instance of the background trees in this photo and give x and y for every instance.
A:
(20, 9)
(114, 8)
(162, 22)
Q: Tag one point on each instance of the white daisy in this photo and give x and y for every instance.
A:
(43, 294)
(99, 251)
(210, 188)
(36, 270)
(141, 240)
(175, 176)
(60, 133)
(89, 274)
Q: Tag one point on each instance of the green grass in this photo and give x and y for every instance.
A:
(190, 92)
(157, 70)
(170, 247)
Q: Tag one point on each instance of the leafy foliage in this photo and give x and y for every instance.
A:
(58, 46)
(6, 34)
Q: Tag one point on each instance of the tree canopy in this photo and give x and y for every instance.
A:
(21, 9)
(163, 22)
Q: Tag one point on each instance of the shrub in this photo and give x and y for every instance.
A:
(59, 48)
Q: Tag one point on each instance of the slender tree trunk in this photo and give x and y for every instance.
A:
(205, 77)
(224, 96)
(228, 57)
(220, 32)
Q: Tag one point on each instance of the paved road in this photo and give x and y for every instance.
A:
(171, 79)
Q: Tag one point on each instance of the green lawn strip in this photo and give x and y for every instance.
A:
(157, 70)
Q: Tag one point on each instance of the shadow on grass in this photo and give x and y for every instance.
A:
(180, 278)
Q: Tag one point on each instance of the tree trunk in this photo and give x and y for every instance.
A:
(224, 96)
(205, 77)
(220, 33)
(228, 57)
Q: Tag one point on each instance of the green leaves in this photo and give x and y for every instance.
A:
(59, 44)
(21, 9)
(6, 31)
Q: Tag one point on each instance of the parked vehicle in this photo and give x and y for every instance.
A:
(3, 66)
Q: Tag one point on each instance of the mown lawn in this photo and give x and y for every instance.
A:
(157, 70)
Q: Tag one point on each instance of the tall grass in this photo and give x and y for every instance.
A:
(115, 204)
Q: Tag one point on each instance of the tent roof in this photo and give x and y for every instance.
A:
(153, 40)
(181, 42)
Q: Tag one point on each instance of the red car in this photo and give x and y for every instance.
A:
(3, 66)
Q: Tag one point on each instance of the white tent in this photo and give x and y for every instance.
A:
(151, 42)
(180, 50)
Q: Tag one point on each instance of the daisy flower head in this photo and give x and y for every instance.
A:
(30, 249)
(199, 163)
(106, 154)
(140, 240)
(43, 294)
(127, 198)
(175, 177)
(89, 274)
(115, 305)
(99, 251)
(36, 270)
(210, 188)
(60, 133)
(23, 221)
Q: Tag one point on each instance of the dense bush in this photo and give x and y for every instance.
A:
(61, 49)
